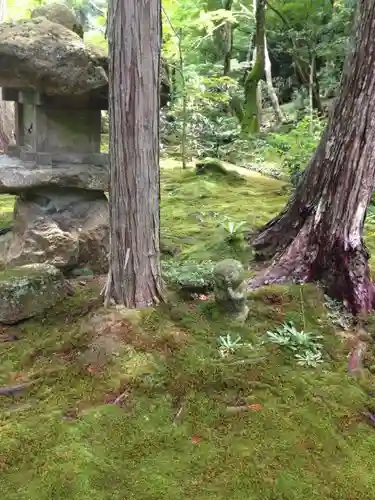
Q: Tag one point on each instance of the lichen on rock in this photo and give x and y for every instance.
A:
(29, 290)
(50, 58)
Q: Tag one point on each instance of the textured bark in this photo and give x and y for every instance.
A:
(252, 111)
(134, 278)
(319, 235)
(6, 108)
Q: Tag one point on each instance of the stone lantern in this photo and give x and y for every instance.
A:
(56, 168)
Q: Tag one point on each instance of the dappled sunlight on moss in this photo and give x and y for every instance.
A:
(6, 209)
(195, 207)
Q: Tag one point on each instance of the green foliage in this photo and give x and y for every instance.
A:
(297, 146)
(234, 231)
(189, 275)
(228, 346)
(209, 123)
(305, 347)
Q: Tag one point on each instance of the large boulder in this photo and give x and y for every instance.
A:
(16, 177)
(29, 290)
(48, 57)
(68, 230)
(60, 14)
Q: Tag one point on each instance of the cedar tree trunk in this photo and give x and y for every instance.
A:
(134, 277)
(319, 235)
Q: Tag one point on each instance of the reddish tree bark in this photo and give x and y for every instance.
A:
(319, 235)
(134, 278)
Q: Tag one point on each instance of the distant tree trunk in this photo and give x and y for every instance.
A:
(270, 88)
(134, 34)
(251, 113)
(319, 235)
(228, 29)
(302, 68)
(6, 108)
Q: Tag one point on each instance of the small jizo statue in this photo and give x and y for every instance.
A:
(230, 288)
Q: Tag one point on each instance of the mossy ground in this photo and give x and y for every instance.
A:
(304, 438)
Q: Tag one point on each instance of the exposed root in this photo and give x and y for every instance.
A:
(343, 271)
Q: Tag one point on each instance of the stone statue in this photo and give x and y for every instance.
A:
(230, 288)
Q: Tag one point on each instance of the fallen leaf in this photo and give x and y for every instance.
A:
(92, 369)
(255, 407)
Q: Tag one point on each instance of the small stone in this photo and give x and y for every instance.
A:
(230, 288)
(29, 290)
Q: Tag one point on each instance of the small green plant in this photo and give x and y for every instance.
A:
(233, 231)
(228, 345)
(309, 359)
(304, 346)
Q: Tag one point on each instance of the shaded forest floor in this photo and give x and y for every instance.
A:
(139, 405)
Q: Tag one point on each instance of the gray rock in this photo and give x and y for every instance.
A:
(230, 288)
(60, 14)
(66, 229)
(45, 56)
(17, 176)
(29, 290)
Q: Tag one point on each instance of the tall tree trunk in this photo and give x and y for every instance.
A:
(6, 108)
(251, 112)
(134, 277)
(319, 235)
(270, 88)
(228, 29)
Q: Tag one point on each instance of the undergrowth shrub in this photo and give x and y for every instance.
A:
(297, 146)
(209, 123)
(190, 276)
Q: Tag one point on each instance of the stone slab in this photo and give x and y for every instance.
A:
(17, 176)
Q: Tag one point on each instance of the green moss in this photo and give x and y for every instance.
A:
(216, 169)
(173, 437)
(195, 208)
(251, 121)
(6, 210)
(24, 272)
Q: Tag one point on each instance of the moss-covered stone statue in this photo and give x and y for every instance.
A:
(230, 288)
